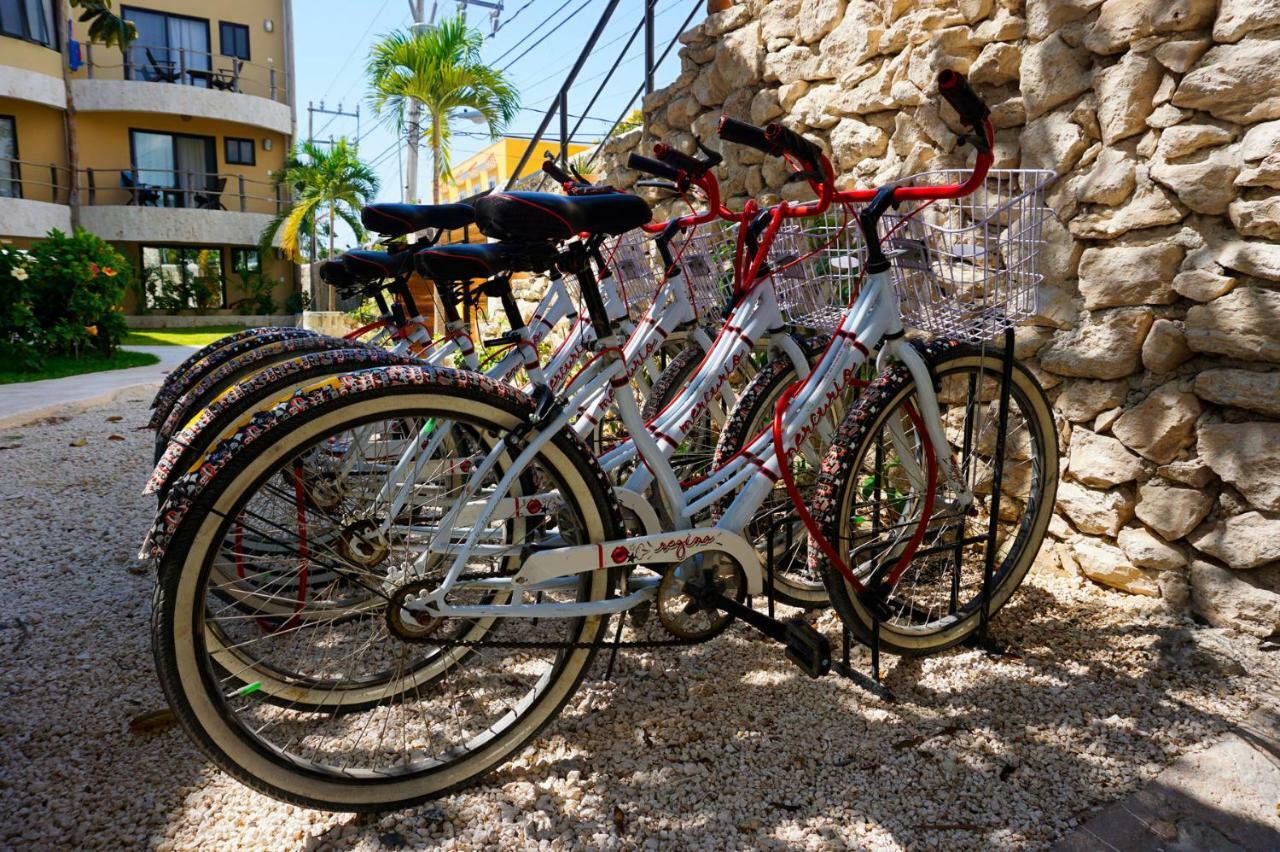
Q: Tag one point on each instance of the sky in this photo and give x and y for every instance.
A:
(536, 44)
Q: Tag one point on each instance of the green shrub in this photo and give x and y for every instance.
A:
(19, 332)
(76, 285)
(297, 302)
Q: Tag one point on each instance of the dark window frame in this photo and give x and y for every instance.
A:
(222, 39)
(222, 264)
(243, 250)
(240, 142)
(212, 148)
(125, 11)
(54, 42)
(15, 168)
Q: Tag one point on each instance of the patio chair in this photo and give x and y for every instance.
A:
(212, 198)
(140, 194)
(160, 72)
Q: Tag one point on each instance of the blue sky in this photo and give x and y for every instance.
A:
(332, 43)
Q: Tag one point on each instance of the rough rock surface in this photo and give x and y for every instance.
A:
(1242, 541)
(1247, 455)
(1225, 599)
(1160, 425)
(1171, 510)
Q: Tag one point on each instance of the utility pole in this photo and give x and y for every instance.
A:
(409, 190)
(312, 109)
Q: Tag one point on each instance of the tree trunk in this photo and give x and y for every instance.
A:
(69, 117)
(331, 232)
(435, 159)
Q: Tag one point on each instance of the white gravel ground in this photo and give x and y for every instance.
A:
(721, 746)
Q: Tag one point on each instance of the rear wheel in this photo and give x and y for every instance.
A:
(871, 496)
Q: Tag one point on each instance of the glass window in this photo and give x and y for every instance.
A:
(29, 19)
(245, 261)
(10, 175)
(169, 48)
(238, 152)
(183, 277)
(234, 40)
(186, 164)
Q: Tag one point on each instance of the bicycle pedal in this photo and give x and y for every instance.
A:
(807, 648)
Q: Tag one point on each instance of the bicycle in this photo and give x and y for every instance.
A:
(497, 618)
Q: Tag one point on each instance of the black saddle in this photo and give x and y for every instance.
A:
(464, 261)
(364, 266)
(526, 216)
(394, 220)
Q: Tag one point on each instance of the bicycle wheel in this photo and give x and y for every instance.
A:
(213, 422)
(209, 348)
(197, 396)
(180, 380)
(412, 718)
(870, 504)
(693, 458)
(774, 529)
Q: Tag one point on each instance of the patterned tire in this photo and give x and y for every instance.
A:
(192, 370)
(868, 505)
(793, 581)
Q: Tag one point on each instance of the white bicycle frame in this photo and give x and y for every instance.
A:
(747, 479)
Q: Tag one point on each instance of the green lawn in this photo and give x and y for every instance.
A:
(59, 366)
(195, 336)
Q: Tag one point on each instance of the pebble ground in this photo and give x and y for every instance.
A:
(725, 745)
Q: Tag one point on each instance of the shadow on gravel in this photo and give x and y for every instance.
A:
(976, 752)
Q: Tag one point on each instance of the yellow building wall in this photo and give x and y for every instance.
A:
(104, 147)
(41, 133)
(29, 56)
(496, 163)
(266, 49)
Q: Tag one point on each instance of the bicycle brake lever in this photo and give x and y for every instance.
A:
(712, 158)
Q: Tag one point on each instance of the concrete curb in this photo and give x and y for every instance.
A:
(65, 409)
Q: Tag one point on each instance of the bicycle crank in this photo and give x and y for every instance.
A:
(805, 646)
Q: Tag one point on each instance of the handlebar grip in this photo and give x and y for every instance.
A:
(741, 133)
(953, 86)
(691, 165)
(653, 167)
(787, 141)
(549, 167)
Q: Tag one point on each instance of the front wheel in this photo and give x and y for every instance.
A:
(871, 496)
(380, 716)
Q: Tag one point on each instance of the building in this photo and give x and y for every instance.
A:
(492, 167)
(178, 140)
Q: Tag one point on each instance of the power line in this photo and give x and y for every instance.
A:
(347, 61)
(545, 21)
(514, 15)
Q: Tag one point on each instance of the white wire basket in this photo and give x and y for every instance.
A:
(969, 268)
(632, 263)
(816, 266)
(705, 258)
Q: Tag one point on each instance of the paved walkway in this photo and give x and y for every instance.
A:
(24, 402)
(1223, 799)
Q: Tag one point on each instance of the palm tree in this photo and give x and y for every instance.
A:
(327, 182)
(438, 67)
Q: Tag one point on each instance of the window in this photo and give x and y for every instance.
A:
(183, 277)
(245, 261)
(234, 40)
(238, 152)
(10, 171)
(169, 49)
(28, 19)
(183, 167)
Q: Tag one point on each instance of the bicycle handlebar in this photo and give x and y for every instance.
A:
(556, 173)
(640, 163)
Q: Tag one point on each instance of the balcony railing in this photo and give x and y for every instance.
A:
(174, 188)
(140, 188)
(34, 181)
(185, 67)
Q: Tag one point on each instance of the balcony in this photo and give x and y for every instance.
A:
(181, 81)
(132, 205)
(33, 198)
(171, 206)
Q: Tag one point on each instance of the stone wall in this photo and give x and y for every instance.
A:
(1159, 332)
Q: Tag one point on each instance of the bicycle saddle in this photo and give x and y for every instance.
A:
(464, 261)
(364, 265)
(394, 220)
(527, 216)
